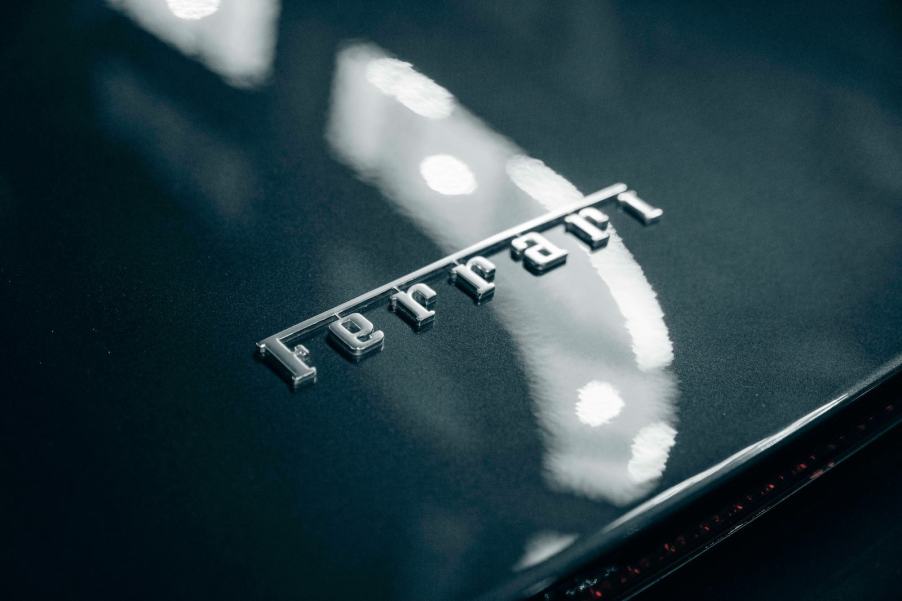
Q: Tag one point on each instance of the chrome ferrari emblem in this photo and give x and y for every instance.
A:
(470, 270)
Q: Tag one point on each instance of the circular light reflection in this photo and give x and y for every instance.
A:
(191, 10)
(447, 175)
(598, 403)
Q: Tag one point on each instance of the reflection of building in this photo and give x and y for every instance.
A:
(594, 343)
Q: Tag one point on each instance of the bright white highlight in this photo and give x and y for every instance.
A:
(602, 329)
(638, 303)
(650, 450)
(633, 294)
(191, 10)
(447, 175)
(599, 403)
(411, 88)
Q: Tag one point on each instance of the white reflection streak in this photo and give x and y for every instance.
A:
(447, 175)
(637, 302)
(584, 464)
(235, 39)
(581, 333)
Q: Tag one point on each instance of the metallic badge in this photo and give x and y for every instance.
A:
(538, 254)
(589, 225)
(639, 208)
(475, 278)
(356, 336)
(414, 305)
(469, 269)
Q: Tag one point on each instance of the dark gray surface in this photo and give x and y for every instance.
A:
(155, 223)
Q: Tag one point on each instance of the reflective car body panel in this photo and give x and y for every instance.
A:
(177, 186)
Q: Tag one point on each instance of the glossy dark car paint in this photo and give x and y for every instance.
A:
(155, 222)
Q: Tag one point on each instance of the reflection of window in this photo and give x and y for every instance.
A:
(234, 38)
